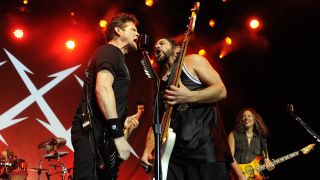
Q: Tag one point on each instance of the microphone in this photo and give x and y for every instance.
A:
(290, 108)
(143, 41)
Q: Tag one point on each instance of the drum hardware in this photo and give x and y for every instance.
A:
(55, 155)
(39, 170)
(55, 166)
(3, 164)
(52, 144)
(12, 167)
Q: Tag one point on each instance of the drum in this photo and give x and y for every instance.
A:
(4, 170)
(19, 164)
(19, 170)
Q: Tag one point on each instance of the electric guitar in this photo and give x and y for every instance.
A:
(107, 148)
(168, 136)
(253, 170)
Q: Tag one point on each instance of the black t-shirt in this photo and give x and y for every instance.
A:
(106, 57)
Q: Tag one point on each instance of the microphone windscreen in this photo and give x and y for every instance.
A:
(290, 108)
(143, 41)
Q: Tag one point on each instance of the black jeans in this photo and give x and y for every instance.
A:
(84, 166)
(205, 171)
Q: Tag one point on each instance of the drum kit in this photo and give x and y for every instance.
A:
(11, 167)
(16, 169)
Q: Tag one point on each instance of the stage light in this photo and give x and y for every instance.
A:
(228, 40)
(18, 33)
(202, 52)
(221, 55)
(254, 23)
(25, 1)
(70, 44)
(149, 3)
(212, 23)
(151, 61)
(103, 23)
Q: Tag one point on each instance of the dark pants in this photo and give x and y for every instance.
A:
(206, 171)
(84, 167)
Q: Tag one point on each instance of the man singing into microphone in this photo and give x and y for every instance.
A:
(104, 101)
(194, 117)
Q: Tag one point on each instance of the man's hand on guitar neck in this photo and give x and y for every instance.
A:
(147, 157)
(131, 121)
(269, 165)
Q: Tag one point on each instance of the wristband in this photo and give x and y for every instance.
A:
(115, 127)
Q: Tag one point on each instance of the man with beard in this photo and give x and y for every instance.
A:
(197, 154)
(102, 111)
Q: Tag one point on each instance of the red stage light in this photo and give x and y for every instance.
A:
(70, 44)
(18, 33)
(254, 23)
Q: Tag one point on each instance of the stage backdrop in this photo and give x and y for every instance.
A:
(39, 95)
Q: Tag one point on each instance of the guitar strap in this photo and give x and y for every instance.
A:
(87, 112)
(263, 143)
(172, 73)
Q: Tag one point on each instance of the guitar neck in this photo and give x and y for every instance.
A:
(167, 115)
(280, 160)
(127, 131)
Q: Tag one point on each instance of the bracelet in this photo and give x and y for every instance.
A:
(115, 127)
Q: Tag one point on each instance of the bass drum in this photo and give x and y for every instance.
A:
(19, 170)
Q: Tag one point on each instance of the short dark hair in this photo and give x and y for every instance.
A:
(120, 21)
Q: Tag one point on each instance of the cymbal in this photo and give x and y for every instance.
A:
(55, 155)
(52, 144)
(38, 169)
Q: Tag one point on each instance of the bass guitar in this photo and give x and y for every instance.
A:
(254, 169)
(107, 148)
(168, 136)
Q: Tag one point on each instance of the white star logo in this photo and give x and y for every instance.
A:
(36, 95)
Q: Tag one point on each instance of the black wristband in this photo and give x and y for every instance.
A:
(115, 127)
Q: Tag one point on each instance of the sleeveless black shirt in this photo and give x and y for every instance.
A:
(192, 124)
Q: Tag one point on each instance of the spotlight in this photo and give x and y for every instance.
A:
(18, 33)
(103, 23)
(149, 3)
(202, 52)
(228, 40)
(254, 23)
(212, 23)
(70, 44)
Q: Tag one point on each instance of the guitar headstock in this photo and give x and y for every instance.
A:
(140, 109)
(307, 149)
(193, 17)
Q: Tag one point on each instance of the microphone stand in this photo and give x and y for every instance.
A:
(314, 134)
(149, 71)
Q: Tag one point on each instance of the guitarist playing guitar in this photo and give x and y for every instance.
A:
(248, 140)
(192, 96)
